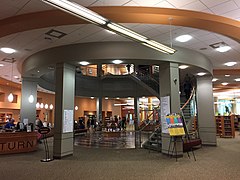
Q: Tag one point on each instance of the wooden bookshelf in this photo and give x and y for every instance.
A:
(225, 126)
(236, 122)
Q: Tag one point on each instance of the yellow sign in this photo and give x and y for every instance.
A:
(175, 125)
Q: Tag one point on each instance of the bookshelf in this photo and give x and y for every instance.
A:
(236, 122)
(225, 126)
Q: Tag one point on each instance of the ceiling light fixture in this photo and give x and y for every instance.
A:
(92, 97)
(1, 65)
(97, 19)
(76, 108)
(106, 97)
(183, 67)
(220, 46)
(30, 99)
(238, 79)
(224, 83)
(183, 38)
(214, 79)
(37, 105)
(8, 50)
(230, 63)
(84, 63)
(51, 106)
(117, 61)
(227, 75)
(78, 10)
(223, 49)
(201, 74)
(10, 96)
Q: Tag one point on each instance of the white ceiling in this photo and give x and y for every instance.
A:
(29, 42)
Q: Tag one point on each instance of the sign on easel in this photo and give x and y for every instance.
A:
(175, 125)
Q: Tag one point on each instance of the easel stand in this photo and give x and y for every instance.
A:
(173, 139)
(44, 131)
(191, 150)
(47, 158)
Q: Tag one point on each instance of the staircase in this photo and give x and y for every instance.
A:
(154, 142)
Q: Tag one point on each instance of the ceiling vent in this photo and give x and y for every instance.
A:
(56, 34)
(217, 45)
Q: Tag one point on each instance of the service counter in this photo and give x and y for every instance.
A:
(17, 142)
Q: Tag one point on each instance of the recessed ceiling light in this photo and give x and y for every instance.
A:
(106, 97)
(227, 75)
(230, 63)
(38, 71)
(223, 48)
(8, 50)
(238, 79)
(1, 65)
(183, 67)
(92, 97)
(129, 97)
(214, 79)
(84, 63)
(224, 83)
(117, 61)
(201, 74)
(183, 38)
(117, 98)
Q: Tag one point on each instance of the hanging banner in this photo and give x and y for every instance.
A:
(175, 125)
(165, 110)
(68, 121)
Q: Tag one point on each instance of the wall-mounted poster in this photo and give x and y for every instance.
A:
(165, 110)
(68, 121)
(175, 125)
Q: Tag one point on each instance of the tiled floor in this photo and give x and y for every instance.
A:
(99, 139)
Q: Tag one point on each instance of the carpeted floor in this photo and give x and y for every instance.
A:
(220, 163)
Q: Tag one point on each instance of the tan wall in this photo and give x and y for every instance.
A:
(84, 104)
(88, 104)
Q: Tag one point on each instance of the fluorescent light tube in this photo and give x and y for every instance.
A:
(127, 32)
(148, 45)
(161, 46)
(78, 10)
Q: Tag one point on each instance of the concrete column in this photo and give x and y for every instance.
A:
(28, 110)
(205, 111)
(169, 86)
(64, 108)
(136, 112)
(99, 109)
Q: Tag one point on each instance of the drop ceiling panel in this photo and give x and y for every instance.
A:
(164, 4)
(224, 7)
(211, 3)
(148, 2)
(109, 2)
(131, 3)
(235, 14)
(196, 5)
(33, 6)
(180, 4)
(85, 2)
(237, 2)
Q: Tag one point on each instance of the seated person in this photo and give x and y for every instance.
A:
(10, 124)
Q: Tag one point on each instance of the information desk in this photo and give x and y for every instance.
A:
(17, 142)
